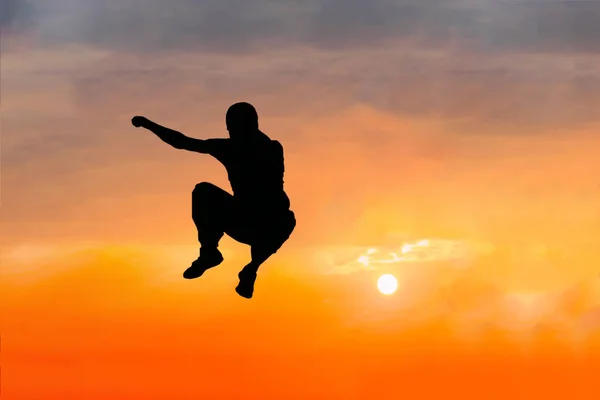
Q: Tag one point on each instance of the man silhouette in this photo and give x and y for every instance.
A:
(257, 214)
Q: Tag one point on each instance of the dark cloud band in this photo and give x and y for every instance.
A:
(237, 26)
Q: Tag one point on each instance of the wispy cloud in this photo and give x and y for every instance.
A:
(347, 260)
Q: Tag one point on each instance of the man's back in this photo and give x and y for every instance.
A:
(255, 169)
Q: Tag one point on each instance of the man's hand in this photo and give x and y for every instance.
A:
(138, 121)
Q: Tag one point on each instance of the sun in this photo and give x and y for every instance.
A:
(387, 284)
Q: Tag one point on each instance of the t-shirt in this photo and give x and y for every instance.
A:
(255, 169)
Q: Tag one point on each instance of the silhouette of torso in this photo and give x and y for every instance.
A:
(255, 169)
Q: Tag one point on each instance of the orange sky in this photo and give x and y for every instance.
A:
(452, 127)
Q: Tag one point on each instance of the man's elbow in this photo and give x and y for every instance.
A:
(178, 145)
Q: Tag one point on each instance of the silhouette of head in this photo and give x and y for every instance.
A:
(241, 120)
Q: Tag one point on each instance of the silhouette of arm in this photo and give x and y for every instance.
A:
(174, 138)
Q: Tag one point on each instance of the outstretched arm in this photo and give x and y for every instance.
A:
(174, 138)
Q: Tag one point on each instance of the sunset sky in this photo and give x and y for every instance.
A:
(450, 143)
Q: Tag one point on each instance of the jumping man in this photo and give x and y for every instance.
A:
(257, 214)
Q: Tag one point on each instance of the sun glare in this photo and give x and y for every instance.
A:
(387, 284)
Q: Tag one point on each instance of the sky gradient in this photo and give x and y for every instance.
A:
(456, 139)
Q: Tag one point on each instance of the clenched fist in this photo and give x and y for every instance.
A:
(138, 121)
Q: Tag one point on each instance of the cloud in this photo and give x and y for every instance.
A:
(15, 14)
(463, 61)
(424, 252)
(496, 92)
(238, 26)
(545, 25)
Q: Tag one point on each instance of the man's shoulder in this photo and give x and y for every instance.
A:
(218, 146)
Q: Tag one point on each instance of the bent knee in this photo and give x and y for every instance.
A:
(275, 235)
(270, 245)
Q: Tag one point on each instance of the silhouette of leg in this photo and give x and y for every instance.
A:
(271, 238)
(210, 208)
(248, 274)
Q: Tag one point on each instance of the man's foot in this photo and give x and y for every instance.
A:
(209, 258)
(246, 286)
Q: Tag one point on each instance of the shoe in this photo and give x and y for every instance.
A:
(209, 258)
(246, 286)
